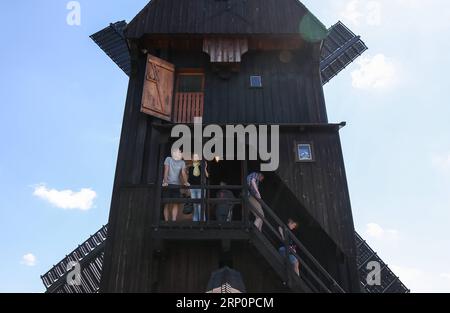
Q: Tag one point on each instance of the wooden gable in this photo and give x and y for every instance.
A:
(220, 17)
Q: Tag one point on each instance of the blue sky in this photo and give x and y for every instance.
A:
(61, 109)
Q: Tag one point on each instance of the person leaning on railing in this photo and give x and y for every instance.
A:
(174, 175)
(224, 210)
(253, 181)
(292, 225)
(195, 179)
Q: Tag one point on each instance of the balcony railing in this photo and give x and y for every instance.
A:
(207, 202)
(187, 106)
(312, 272)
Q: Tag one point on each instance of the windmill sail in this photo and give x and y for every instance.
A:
(366, 257)
(89, 255)
(340, 49)
(112, 41)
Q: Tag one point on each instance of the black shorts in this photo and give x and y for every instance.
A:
(172, 193)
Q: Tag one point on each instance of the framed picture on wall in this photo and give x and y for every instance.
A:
(304, 152)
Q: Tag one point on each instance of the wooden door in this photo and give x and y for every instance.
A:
(158, 88)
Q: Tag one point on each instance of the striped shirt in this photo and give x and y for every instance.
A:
(257, 177)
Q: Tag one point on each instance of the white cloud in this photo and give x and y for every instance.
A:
(29, 259)
(357, 12)
(410, 276)
(406, 15)
(351, 13)
(442, 162)
(445, 275)
(67, 199)
(373, 13)
(425, 281)
(375, 231)
(374, 73)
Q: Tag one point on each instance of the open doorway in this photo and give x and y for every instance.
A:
(226, 173)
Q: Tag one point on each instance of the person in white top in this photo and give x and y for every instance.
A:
(174, 176)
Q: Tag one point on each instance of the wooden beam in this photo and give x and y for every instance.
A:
(199, 234)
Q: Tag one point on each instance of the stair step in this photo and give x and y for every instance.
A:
(276, 261)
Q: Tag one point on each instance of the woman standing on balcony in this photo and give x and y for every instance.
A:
(195, 179)
(174, 177)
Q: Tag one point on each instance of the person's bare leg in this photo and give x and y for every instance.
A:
(258, 223)
(257, 207)
(167, 209)
(175, 208)
(297, 268)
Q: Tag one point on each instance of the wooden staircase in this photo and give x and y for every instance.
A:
(313, 277)
(277, 262)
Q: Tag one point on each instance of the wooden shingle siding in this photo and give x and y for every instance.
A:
(218, 17)
(321, 186)
(128, 261)
(291, 92)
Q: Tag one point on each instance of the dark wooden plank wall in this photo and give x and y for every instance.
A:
(321, 186)
(187, 266)
(128, 260)
(209, 16)
(292, 92)
(128, 247)
(310, 232)
(258, 275)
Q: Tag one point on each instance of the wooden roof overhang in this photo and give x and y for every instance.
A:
(225, 17)
(286, 126)
(195, 42)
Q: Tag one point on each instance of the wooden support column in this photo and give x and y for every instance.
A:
(245, 210)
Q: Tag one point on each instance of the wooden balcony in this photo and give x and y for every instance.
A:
(188, 105)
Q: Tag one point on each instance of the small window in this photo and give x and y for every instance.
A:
(190, 83)
(255, 81)
(304, 152)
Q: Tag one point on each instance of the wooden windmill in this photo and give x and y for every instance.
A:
(259, 62)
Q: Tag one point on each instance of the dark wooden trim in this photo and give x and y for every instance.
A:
(200, 234)
(190, 71)
(301, 126)
(209, 187)
(245, 211)
(204, 201)
(158, 190)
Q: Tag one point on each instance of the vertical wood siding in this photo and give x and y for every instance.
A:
(291, 93)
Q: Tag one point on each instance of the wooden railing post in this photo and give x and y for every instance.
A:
(158, 188)
(245, 209)
(204, 203)
(287, 262)
(188, 105)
